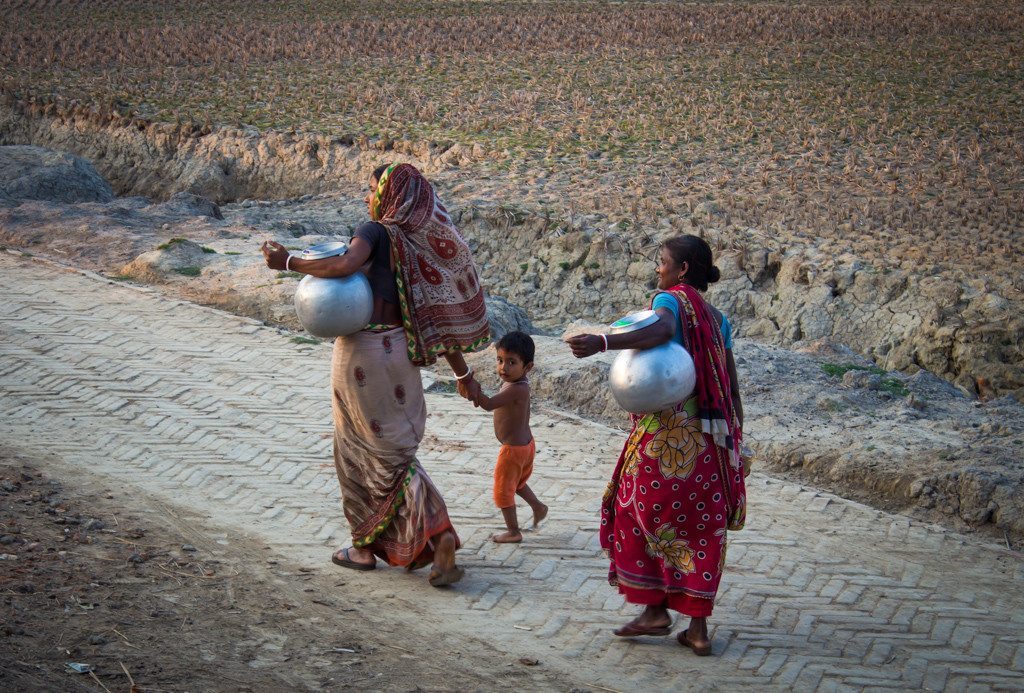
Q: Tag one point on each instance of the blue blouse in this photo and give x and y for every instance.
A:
(667, 300)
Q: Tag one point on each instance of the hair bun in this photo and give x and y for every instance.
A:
(714, 274)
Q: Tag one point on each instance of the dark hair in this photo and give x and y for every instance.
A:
(379, 171)
(694, 251)
(518, 343)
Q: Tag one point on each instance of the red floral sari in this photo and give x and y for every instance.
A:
(678, 484)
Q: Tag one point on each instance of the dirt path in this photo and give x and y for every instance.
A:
(98, 574)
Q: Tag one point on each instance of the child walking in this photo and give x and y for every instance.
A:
(511, 407)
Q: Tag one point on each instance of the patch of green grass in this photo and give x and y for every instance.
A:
(168, 244)
(524, 266)
(232, 252)
(120, 277)
(305, 340)
(893, 386)
(206, 249)
(564, 265)
(25, 253)
(191, 271)
(289, 275)
(838, 370)
(594, 265)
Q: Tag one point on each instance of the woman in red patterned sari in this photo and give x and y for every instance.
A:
(427, 303)
(678, 485)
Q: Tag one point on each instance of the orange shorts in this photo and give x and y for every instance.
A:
(514, 467)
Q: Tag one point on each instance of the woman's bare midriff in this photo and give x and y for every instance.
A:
(385, 313)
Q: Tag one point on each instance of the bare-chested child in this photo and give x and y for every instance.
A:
(511, 407)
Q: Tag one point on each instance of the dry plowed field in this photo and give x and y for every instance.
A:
(894, 130)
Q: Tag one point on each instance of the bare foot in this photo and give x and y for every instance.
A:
(444, 571)
(444, 552)
(507, 538)
(539, 515)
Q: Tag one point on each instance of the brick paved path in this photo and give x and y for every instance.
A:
(230, 418)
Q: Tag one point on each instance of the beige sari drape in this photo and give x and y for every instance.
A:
(391, 505)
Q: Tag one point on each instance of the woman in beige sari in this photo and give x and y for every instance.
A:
(427, 303)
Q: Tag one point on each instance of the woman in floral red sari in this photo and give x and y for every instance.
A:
(678, 485)
(427, 302)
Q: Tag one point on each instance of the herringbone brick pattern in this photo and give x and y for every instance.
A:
(231, 419)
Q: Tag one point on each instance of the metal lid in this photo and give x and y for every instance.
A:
(633, 322)
(322, 250)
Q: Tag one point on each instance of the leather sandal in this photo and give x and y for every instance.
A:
(632, 630)
(701, 651)
(346, 561)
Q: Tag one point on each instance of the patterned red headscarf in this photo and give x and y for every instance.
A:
(438, 287)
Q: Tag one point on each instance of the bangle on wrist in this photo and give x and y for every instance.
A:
(605, 338)
(287, 262)
(464, 376)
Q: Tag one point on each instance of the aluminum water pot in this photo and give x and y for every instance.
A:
(333, 307)
(648, 380)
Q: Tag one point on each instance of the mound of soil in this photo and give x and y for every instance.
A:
(35, 173)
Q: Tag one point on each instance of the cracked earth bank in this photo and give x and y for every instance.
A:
(543, 248)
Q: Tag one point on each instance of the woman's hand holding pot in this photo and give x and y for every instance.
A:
(584, 345)
(275, 254)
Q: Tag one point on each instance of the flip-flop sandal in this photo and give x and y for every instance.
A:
(347, 562)
(631, 630)
(699, 651)
(447, 577)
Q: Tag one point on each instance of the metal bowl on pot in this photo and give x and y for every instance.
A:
(332, 307)
(649, 380)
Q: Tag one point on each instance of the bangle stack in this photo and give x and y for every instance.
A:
(464, 376)
(605, 338)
